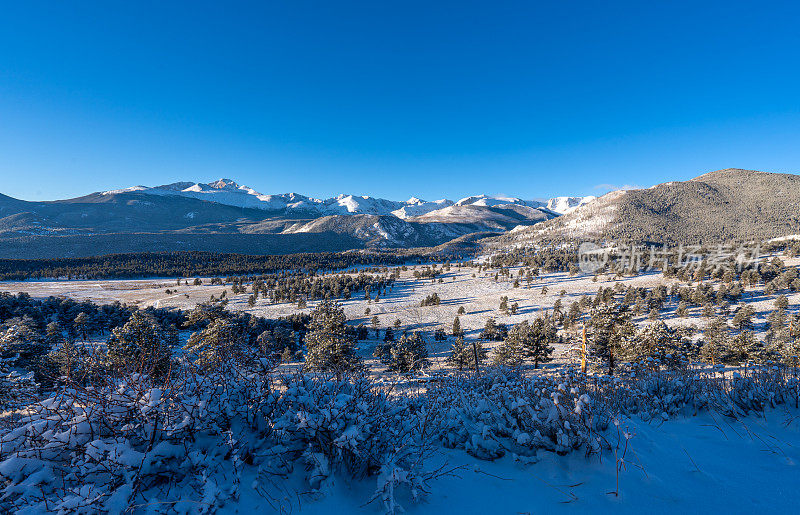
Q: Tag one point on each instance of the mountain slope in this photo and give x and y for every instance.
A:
(722, 206)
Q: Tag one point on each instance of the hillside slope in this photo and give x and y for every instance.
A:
(730, 205)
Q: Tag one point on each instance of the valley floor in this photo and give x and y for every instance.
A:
(480, 296)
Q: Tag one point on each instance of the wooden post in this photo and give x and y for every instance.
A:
(583, 351)
(475, 353)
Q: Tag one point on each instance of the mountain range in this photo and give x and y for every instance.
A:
(228, 192)
(731, 205)
(223, 215)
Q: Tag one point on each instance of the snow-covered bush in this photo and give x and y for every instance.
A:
(190, 442)
(16, 390)
(185, 443)
(507, 412)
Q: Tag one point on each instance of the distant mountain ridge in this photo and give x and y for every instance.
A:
(190, 213)
(228, 192)
(730, 205)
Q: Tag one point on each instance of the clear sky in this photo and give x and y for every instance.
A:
(394, 98)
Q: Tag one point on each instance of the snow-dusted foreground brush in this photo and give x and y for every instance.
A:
(236, 438)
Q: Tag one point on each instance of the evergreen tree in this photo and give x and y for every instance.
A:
(53, 334)
(611, 326)
(268, 343)
(81, 324)
(21, 343)
(715, 345)
(457, 327)
(744, 346)
(70, 361)
(216, 344)
(458, 353)
(777, 329)
(542, 334)
(462, 353)
(493, 331)
(743, 317)
(142, 345)
(408, 354)
(330, 348)
(657, 341)
(511, 351)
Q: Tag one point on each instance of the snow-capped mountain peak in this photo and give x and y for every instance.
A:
(226, 184)
(229, 192)
(129, 189)
(564, 205)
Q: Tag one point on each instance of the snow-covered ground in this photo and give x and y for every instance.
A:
(479, 295)
(706, 463)
(690, 461)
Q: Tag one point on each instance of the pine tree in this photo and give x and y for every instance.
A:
(70, 361)
(511, 351)
(81, 322)
(22, 344)
(408, 354)
(543, 333)
(142, 345)
(457, 327)
(493, 331)
(53, 334)
(778, 330)
(655, 341)
(611, 326)
(458, 353)
(462, 353)
(215, 344)
(743, 318)
(716, 341)
(268, 343)
(744, 346)
(330, 348)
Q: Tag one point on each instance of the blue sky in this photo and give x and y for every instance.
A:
(393, 99)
